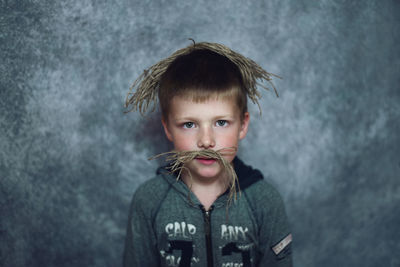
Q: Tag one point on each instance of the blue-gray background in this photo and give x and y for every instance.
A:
(70, 159)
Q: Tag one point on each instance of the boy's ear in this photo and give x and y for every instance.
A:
(245, 125)
(165, 126)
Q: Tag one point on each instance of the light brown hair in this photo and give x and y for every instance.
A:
(200, 75)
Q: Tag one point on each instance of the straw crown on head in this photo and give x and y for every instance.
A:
(143, 92)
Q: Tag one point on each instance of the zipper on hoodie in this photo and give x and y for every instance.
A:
(207, 230)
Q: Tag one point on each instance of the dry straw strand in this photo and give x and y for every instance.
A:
(143, 91)
(177, 160)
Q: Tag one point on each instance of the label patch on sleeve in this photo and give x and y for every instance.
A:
(281, 245)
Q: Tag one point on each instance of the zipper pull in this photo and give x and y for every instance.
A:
(206, 211)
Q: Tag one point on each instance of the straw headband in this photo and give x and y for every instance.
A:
(143, 91)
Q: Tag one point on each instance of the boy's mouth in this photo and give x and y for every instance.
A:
(206, 161)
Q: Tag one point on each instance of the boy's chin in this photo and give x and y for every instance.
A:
(206, 171)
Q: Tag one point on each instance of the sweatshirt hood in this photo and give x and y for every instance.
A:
(246, 174)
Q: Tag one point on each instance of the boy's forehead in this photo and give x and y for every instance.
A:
(219, 106)
(201, 96)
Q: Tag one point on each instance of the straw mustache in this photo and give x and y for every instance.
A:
(178, 159)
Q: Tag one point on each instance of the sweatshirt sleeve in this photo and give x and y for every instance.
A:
(140, 243)
(274, 232)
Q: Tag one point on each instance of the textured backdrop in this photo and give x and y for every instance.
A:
(70, 159)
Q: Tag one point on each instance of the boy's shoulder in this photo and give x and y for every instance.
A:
(152, 187)
(148, 196)
(263, 192)
(266, 204)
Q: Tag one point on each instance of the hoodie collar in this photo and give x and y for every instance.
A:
(246, 174)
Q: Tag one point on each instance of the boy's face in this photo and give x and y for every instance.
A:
(213, 124)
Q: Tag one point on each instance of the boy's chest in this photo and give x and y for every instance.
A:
(189, 236)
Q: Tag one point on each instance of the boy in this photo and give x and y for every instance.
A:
(191, 216)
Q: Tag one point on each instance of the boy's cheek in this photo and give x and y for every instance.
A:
(226, 141)
(181, 144)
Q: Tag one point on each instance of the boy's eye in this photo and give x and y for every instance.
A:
(188, 125)
(221, 123)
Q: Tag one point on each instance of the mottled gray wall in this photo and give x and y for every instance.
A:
(70, 159)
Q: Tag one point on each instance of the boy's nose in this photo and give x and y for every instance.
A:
(206, 140)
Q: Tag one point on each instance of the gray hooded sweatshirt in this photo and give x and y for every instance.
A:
(168, 226)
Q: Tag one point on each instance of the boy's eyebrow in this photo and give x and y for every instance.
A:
(190, 118)
(228, 116)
